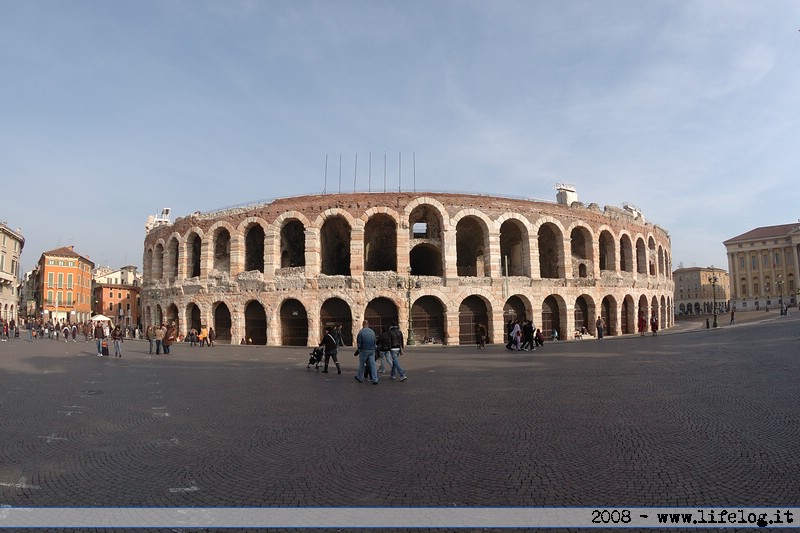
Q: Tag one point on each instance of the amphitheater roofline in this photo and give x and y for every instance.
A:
(608, 210)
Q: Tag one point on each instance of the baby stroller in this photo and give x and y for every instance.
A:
(316, 358)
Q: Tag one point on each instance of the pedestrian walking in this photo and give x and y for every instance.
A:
(117, 337)
(99, 335)
(150, 336)
(642, 324)
(366, 343)
(600, 325)
(733, 316)
(654, 324)
(397, 343)
(384, 349)
(159, 332)
(331, 350)
(480, 336)
(212, 336)
(169, 339)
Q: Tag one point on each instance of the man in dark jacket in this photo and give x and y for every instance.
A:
(331, 350)
(396, 343)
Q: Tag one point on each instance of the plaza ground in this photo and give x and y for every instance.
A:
(692, 417)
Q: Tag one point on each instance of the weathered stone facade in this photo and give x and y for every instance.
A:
(278, 273)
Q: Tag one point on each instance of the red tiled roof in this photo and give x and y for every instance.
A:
(66, 251)
(766, 232)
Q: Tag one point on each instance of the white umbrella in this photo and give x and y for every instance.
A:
(100, 318)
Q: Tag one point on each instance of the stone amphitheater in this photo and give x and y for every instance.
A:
(437, 264)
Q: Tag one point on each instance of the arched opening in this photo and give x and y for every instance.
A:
(425, 260)
(471, 312)
(172, 317)
(193, 247)
(381, 312)
(255, 323)
(254, 248)
(608, 310)
(581, 249)
(514, 249)
(582, 317)
(514, 309)
(294, 323)
(158, 262)
(334, 313)
(549, 239)
(551, 317)
(293, 245)
(607, 252)
(427, 320)
(625, 254)
(641, 257)
(335, 247)
(171, 258)
(644, 309)
(651, 260)
(471, 248)
(222, 323)
(380, 244)
(661, 270)
(193, 316)
(628, 315)
(222, 251)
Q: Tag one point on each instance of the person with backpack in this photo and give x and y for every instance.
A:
(396, 344)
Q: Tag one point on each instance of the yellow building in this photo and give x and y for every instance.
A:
(699, 289)
(763, 266)
(64, 286)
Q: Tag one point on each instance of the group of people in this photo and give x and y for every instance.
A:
(161, 337)
(8, 328)
(385, 347)
(522, 336)
(205, 337)
(643, 322)
(102, 333)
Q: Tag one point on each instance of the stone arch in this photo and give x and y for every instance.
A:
(607, 251)
(550, 242)
(222, 322)
(644, 308)
(193, 317)
(661, 264)
(221, 233)
(628, 315)
(425, 259)
(172, 256)
(426, 209)
(294, 323)
(293, 243)
(651, 256)
(254, 244)
(584, 313)
(335, 236)
(337, 312)
(608, 310)
(625, 253)
(171, 316)
(158, 261)
(581, 250)
(381, 312)
(641, 256)
(255, 323)
(380, 243)
(147, 263)
(553, 316)
(193, 246)
(473, 310)
(428, 320)
(517, 307)
(515, 250)
(472, 244)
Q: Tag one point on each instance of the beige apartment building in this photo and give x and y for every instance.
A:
(763, 267)
(11, 243)
(698, 290)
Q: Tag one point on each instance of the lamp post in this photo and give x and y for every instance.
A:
(410, 337)
(713, 280)
(780, 291)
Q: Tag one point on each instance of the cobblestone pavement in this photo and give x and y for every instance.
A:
(688, 418)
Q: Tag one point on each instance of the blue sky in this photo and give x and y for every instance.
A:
(111, 110)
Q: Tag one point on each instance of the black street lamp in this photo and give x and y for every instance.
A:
(714, 280)
(780, 291)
